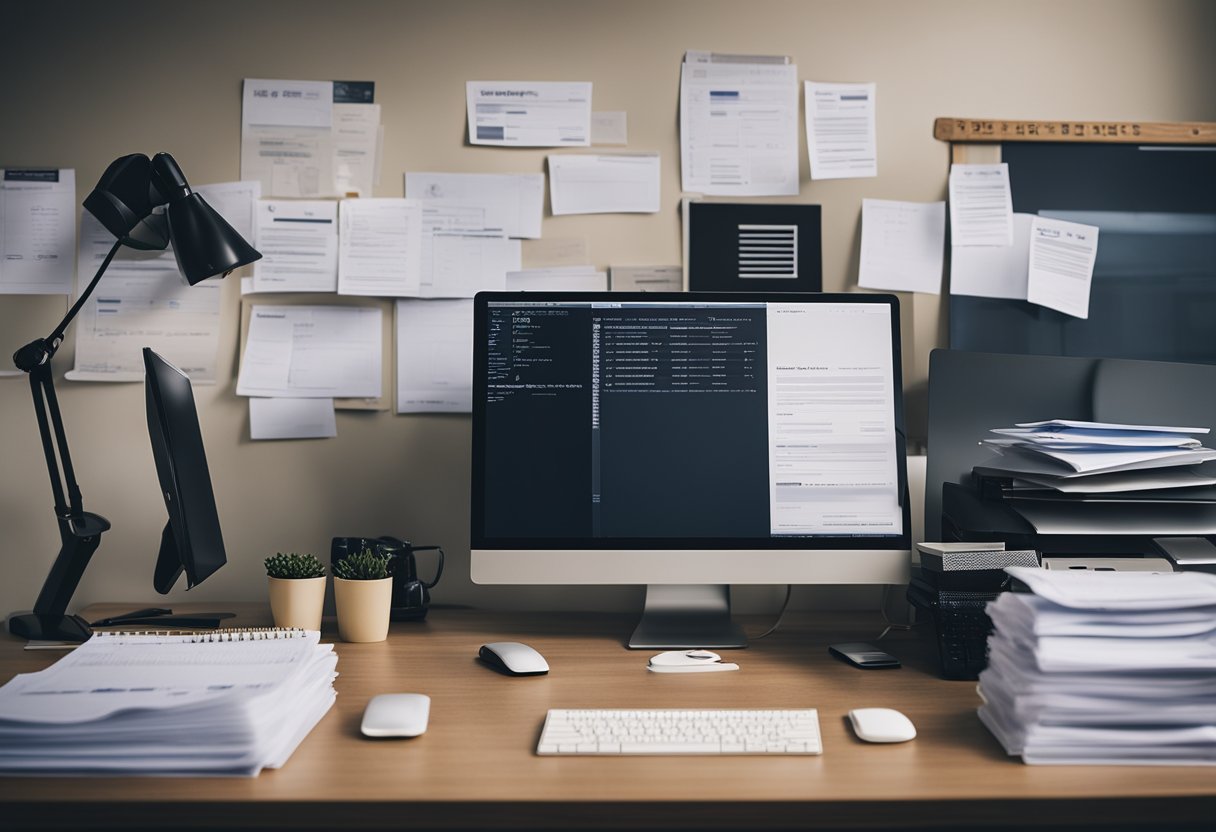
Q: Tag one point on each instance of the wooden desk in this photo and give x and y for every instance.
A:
(476, 767)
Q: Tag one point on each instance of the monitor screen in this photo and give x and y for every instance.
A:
(191, 541)
(696, 422)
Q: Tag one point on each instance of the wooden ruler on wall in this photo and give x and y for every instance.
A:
(1003, 130)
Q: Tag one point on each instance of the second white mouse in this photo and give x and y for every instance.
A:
(514, 658)
(396, 715)
(881, 725)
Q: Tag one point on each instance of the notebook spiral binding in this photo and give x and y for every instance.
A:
(243, 634)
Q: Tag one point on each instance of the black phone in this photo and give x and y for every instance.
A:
(863, 655)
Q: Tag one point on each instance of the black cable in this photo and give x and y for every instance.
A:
(789, 591)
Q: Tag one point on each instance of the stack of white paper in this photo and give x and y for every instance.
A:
(169, 705)
(1061, 453)
(1115, 668)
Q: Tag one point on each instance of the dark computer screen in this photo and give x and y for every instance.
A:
(191, 541)
(673, 419)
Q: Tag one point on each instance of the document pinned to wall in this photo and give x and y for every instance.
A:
(434, 356)
(902, 245)
(461, 265)
(738, 125)
(981, 205)
(529, 113)
(299, 244)
(647, 278)
(356, 136)
(841, 138)
(609, 127)
(510, 204)
(141, 301)
(285, 418)
(994, 271)
(37, 231)
(312, 352)
(567, 279)
(380, 247)
(287, 140)
(1062, 258)
(608, 183)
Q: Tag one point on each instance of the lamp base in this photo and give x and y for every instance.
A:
(36, 627)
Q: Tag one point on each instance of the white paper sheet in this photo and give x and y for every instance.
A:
(380, 247)
(287, 137)
(738, 126)
(312, 352)
(981, 205)
(37, 231)
(1053, 424)
(582, 279)
(141, 301)
(286, 418)
(1061, 265)
(609, 127)
(356, 137)
(299, 244)
(461, 265)
(511, 204)
(901, 245)
(434, 356)
(604, 183)
(647, 278)
(840, 130)
(554, 251)
(529, 113)
(994, 271)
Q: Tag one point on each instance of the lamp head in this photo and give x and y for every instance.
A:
(148, 204)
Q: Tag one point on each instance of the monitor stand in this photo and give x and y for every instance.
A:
(687, 616)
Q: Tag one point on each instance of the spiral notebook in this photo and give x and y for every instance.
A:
(228, 702)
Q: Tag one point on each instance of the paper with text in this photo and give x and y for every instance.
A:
(1061, 265)
(981, 205)
(299, 244)
(738, 127)
(994, 271)
(37, 231)
(287, 138)
(356, 136)
(510, 204)
(647, 278)
(312, 352)
(901, 245)
(380, 247)
(841, 137)
(529, 113)
(461, 265)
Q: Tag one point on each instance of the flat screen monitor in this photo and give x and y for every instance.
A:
(688, 442)
(191, 542)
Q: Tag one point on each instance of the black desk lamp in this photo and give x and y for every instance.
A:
(146, 204)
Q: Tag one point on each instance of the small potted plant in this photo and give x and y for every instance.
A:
(297, 590)
(363, 595)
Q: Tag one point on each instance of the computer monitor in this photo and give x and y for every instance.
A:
(191, 541)
(688, 442)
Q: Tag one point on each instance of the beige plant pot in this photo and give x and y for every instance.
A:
(363, 608)
(297, 602)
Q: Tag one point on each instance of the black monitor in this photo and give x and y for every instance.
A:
(687, 442)
(191, 542)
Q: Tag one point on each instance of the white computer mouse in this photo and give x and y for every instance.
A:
(396, 715)
(514, 658)
(881, 725)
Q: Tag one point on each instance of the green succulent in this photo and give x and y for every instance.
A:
(294, 566)
(364, 566)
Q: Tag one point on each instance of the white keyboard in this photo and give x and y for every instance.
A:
(680, 732)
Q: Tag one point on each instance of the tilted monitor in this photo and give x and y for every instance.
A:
(688, 442)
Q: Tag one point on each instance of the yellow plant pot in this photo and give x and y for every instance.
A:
(363, 608)
(297, 602)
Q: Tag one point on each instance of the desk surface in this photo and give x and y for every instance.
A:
(476, 767)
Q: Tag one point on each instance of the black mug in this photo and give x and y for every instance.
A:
(411, 596)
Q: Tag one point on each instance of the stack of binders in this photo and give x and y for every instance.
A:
(1115, 668)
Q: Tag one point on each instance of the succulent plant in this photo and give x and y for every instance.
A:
(364, 566)
(294, 566)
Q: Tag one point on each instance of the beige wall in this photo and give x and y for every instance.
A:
(85, 82)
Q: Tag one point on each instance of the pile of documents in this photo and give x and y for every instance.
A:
(1099, 458)
(229, 703)
(1115, 668)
